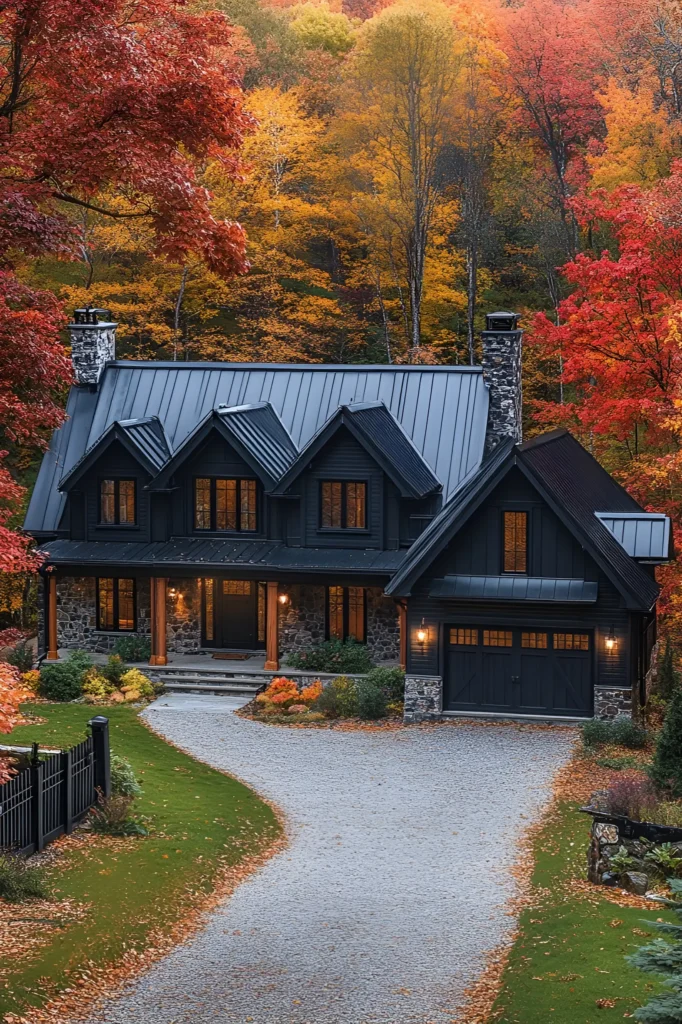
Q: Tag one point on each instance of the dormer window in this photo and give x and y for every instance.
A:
(222, 504)
(343, 505)
(117, 502)
(516, 542)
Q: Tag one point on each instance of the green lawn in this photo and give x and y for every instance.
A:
(200, 818)
(570, 952)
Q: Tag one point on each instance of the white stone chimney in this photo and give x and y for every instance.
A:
(93, 344)
(502, 343)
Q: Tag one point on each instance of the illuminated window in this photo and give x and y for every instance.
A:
(571, 642)
(343, 505)
(225, 505)
(261, 612)
(497, 638)
(346, 613)
(464, 637)
(117, 502)
(116, 605)
(241, 588)
(209, 616)
(515, 541)
(534, 641)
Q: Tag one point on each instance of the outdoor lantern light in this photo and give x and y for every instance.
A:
(283, 599)
(422, 633)
(173, 593)
(611, 641)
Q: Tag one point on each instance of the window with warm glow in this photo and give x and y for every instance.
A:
(497, 638)
(346, 613)
(116, 605)
(225, 505)
(516, 542)
(571, 642)
(117, 502)
(534, 641)
(464, 637)
(343, 505)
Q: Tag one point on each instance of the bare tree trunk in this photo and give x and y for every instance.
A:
(178, 311)
(472, 288)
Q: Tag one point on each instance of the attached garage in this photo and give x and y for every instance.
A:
(518, 671)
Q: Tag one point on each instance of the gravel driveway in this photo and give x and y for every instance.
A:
(393, 885)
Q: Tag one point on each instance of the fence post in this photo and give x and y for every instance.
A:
(67, 791)
(100, 739)
(37, 829)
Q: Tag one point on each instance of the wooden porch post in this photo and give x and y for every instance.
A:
(272, 630)
(158, 616)
(52, 652)
(402, 622)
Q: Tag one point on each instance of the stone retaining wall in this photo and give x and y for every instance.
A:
(606, 843)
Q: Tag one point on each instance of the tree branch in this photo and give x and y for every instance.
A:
(66, 198)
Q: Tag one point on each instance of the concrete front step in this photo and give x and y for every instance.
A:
(231, 688)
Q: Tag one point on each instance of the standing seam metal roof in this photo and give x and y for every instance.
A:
(442, 409)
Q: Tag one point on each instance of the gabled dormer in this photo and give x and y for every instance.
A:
(351, 479)
(220, 475)
(106, 497)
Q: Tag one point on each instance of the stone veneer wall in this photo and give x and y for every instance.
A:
(92, 347)
(423, 698)
(77, 615)
(502, 373)
(610, 702)
(302, 622)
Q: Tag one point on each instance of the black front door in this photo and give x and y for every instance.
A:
(234, 614)
(532, 672)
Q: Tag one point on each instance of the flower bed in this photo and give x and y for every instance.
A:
(377, 695)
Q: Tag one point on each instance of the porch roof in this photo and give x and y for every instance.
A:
(220, 554)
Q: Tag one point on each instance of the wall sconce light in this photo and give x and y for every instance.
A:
(283, 598)
(422, 633)
(610, 640)
(172, 593)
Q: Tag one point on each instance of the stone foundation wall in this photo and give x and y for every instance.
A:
(423, 698)
(611, 702)
(77, 616)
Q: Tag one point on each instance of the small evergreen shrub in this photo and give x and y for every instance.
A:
(622, 732)
(133, 648)
(63, 680)
(113, 670)
(371, 699)
(663, 957)
(19, 882)
(668, 678)
(390, 680)
(333, 656)
(123, 781)
(21, 656)
(339, 699)
(666, 769)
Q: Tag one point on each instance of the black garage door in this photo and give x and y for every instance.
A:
(534, 672)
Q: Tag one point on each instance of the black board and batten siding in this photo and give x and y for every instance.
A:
(47, 799)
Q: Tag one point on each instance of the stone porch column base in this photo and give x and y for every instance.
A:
(612, 702)
(423, 698)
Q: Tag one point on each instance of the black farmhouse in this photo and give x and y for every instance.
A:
(227, 507)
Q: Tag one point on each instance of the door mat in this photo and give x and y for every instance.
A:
(231, 657)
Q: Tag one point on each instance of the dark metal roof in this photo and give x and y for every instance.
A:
(221, 554)
(579, 487)
(645, 536)
(255, 431)
(144, 438)
(514, 588)
(443, 410)
(380, 434)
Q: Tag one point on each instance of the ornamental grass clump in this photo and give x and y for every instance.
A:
(19, 881)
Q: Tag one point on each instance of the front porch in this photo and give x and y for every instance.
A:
(188, 619)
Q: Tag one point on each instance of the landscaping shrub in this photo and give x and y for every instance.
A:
(19, 882)
(668, 678)
(123, 781)
(114, 670)
(390, 680)
(371, 699)
(666, 769)
(135, 685)
(279, 695)
(668, 813)
(664, 859)
(21, 656)
(339, 699)
(96, 687)
(663, 957)
(112, 816)
(333, 656)
(633, 797)
(133, 648)
(620, 731)
(31, 680)
(63, 680)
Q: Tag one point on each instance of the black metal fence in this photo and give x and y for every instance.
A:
(47, 799)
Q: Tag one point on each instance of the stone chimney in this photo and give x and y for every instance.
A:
(502, 373)
(93, 344)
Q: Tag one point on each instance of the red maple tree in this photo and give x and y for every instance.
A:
(109, 105)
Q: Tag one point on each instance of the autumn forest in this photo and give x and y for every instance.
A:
(349, 181)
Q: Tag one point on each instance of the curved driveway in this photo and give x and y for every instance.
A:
(393, 885)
